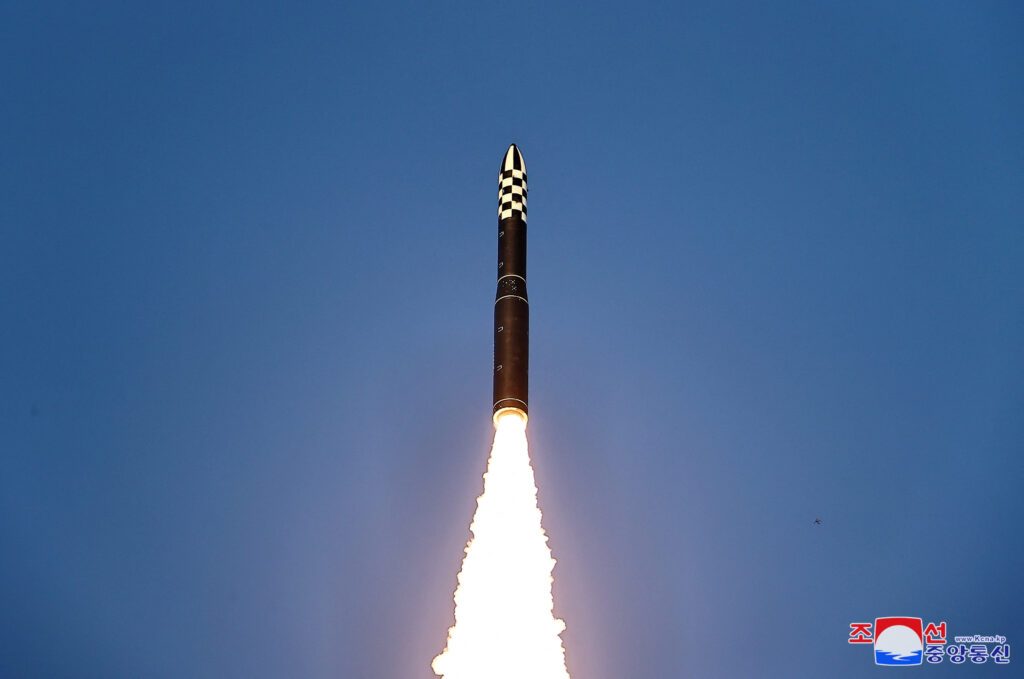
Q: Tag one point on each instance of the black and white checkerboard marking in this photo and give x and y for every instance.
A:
(512, 185)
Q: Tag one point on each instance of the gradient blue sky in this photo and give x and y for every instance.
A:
(247, 269)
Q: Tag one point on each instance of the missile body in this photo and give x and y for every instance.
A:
(511, 304)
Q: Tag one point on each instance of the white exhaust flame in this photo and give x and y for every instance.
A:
(504, 626)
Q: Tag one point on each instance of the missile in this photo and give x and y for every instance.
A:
(511, 304)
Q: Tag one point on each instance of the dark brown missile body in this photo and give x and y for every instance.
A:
(511, 304)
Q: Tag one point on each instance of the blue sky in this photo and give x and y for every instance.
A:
(247, 267)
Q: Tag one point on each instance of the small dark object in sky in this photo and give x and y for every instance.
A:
(817, 522)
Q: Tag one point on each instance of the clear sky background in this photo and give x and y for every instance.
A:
(247, 263)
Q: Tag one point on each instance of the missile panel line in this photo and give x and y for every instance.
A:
(512, 296)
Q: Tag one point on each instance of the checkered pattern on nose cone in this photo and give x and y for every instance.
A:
(512, 185)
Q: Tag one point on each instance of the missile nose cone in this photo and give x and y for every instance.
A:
(513, 160)
(512, 185)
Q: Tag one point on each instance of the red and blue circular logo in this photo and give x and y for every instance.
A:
(898, 641)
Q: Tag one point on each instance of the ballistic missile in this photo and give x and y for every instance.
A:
(511, 304)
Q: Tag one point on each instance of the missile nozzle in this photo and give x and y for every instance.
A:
(502, 413)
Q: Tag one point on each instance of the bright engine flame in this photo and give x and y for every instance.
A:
(504, 626)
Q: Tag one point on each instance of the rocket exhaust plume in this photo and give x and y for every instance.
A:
(504, 622)
(504, 625)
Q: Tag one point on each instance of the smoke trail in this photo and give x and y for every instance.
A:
(504, 626)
